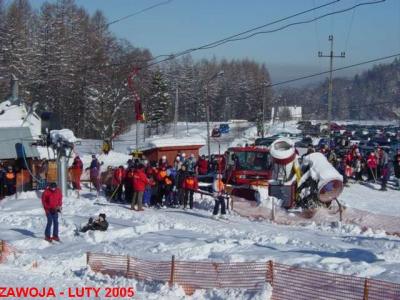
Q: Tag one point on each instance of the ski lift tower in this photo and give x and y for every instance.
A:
(63, 142)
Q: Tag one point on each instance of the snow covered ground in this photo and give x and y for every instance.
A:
(189, 235)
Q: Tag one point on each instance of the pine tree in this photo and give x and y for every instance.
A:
(159, 105)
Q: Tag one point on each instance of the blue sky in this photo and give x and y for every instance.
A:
(367, 32)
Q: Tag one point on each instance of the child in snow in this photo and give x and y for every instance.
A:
(99, 224)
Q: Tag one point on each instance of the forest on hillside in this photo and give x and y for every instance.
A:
(71, 63)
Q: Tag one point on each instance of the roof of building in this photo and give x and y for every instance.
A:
(172, 142)
(10, 136)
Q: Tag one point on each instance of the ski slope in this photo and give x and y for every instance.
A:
(189, 235)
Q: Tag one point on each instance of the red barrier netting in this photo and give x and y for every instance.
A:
(5, 250)
(288, 282)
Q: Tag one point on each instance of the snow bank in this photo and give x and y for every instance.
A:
(65, 135)
(158, 142)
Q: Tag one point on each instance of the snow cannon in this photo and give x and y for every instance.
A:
(282, 151)
(328, 183)
(284, 157)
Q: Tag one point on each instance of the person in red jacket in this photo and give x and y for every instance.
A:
(190, 185)
(52, 204)
(76, 173)
(202, 165)
(372, 164)
(117, 182)
(139, 185)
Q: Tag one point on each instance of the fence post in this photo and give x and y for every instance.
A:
(271, 271)
(1, 246)
(365, 289)
(128, 262)
(87, 258)
(273, 210)
(172, 276)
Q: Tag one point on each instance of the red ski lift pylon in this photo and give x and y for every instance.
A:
(138, 103)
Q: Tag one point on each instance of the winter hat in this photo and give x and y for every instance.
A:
(93, 155)
(53, 185)
(102, 216)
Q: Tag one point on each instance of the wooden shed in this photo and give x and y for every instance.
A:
(156, 148)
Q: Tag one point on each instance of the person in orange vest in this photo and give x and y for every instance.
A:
(219, 197)
(117, 181)
(10, 180)
(161, 174)
(190, 185)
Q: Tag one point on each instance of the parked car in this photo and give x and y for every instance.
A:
(216, 132)
(224, 128)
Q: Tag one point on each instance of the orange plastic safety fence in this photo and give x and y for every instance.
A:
(288, 282)
(5, 250)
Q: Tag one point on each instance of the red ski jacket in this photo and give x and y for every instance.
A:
(372, 162)
(140, 181)
(51, 200)
(118, 177)
(202, 166)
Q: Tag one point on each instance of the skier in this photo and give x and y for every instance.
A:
(219, 197)
(190, 185)
(396, 167)
(117, 182)
(179, 181)
(76, 173)
(98, 224)
(95, 173)
(139, 185)
(52, 204)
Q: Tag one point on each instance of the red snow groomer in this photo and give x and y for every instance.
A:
(247, 167)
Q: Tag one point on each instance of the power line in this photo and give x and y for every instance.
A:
(174, 55)
(333, 70)
(138, 12)
(302, 22)
(237, 38)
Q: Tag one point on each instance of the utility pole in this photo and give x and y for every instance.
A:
(219, 74)
(330, 88)
(176, 110)
(266, 84)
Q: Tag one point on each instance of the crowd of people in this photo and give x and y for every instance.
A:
(161, 184)
(373, 166)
